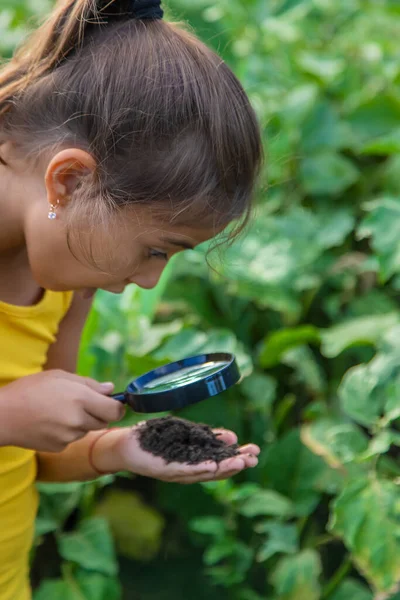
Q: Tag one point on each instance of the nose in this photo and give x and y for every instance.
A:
(148, 280)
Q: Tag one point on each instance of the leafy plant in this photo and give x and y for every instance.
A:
(308, 299)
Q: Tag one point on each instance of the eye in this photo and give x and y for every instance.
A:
(158, 254)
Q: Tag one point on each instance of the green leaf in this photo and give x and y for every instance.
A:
(333, 226)
(388, 144)
(338, 442)
(214, 526)
(282, 539)
(381, 443)
(56, 504)
(238, 558)
(355, 332)
(351, 589)
(375, 118)
(83, 586)
(321, 129)
(278, 342)
(260, 390)
(267, 502)
(295, 472)
(327, 173)
(58, 589)
(219, 550)
(90, 546)
(371, 391)
(358, 398)
(326, 68)
(282, 256)
(307, 369)
(366, 515)
(95, 586)
(297, 577)
(375, 302)
(381, 225)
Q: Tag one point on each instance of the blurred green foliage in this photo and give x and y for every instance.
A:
(308, 299)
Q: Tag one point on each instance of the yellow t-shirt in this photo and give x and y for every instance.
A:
(26, 332)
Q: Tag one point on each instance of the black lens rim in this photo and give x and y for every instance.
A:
(184, 395)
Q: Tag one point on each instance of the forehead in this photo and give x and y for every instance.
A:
(153, 227)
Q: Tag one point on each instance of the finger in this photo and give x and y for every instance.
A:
(208, 471)
(229, 437)
(94, 424)
(101, 388)
(227, 475)
(250, 461)
(250, 449)
(103, 408)
(203, 478)
(237, 463)
(228, 468)
(179, 471)
(96, 386)
(212, 471)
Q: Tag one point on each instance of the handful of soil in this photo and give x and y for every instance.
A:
(179, 440)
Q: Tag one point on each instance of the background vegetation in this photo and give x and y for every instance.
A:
(308, 299)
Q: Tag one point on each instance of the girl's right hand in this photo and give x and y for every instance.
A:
(49, 410)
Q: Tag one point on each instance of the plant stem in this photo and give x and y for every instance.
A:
(340, 574)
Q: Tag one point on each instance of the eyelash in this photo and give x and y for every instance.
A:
(158, 254)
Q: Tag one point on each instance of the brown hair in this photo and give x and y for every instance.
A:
(164, 117)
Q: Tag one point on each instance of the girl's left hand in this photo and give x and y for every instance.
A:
(132, 458)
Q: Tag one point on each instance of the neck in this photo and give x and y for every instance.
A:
(20, 190)
(17, 190)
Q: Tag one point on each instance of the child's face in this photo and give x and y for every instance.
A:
(133, 248)
(72, 252)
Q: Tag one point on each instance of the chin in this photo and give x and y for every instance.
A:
(49, 283)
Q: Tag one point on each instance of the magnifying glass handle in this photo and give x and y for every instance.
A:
(120, 397)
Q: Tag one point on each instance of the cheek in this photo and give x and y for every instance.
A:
(57, 262)
(62, 261)
(110, 256)
(54, 267)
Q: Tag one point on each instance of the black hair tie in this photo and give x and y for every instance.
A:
(147, 9)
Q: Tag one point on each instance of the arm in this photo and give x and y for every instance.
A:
(72, 463)
(119, 450)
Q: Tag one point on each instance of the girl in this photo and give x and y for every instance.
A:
(123, 140)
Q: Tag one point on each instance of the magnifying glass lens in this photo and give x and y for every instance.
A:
(182, 377)
(181, 383)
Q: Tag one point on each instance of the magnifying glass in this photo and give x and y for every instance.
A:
(181, 383)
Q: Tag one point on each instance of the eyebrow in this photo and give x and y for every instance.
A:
(179, 243)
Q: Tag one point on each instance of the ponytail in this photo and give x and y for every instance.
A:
(46, 48)
(62, 33)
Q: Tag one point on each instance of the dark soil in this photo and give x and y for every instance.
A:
(178, 440)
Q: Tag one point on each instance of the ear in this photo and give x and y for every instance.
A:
(64, 173)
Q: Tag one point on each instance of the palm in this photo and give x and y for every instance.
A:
(143, 463)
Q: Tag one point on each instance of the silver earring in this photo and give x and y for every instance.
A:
(52, 211)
